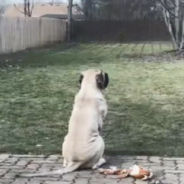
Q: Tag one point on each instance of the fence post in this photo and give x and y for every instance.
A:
(69, 22)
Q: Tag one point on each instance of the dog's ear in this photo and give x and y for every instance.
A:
(80, 79)
(102, 80)
(106, 80)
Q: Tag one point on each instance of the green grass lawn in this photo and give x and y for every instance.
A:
(145, 98)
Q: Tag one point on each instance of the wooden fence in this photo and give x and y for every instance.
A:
(17, 34)
(120, 31)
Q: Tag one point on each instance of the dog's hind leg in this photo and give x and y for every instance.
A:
(100, 146)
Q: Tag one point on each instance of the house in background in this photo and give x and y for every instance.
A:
(41, 10)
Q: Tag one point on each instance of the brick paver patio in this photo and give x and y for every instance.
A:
(167, 170)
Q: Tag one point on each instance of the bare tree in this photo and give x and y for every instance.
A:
(173, 13)
(28, 8)
(2, 7)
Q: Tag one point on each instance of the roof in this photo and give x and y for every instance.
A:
(38, 10)
(62, 16)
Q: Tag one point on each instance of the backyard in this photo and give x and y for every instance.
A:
(145, 97)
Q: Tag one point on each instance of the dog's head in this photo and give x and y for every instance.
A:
(94, 77)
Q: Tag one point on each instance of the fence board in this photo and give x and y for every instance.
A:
(19, 33)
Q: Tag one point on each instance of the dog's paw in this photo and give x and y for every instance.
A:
(65, 163)
(95, 167)
(100, 162)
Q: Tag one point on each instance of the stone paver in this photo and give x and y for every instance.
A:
(166, 170)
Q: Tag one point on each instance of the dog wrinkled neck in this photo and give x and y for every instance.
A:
(88, 92)
(89, 89)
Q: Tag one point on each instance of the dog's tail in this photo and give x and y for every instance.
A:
(70, 168)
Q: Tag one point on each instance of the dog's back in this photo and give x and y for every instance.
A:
(83, 127)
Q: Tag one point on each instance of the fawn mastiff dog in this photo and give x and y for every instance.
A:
(83, 146)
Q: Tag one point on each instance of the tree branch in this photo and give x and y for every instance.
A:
(51, 3)
(18, 9)
(164, 5)
(32, 7)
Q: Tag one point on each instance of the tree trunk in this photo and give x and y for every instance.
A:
(28, 9)
(182, 34)
(177, 22)
(169, 26)
(25, 8)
